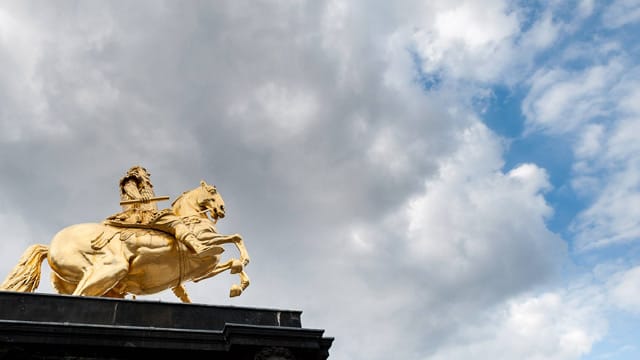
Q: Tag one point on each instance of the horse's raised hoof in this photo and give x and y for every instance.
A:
(235, 290)
(236, 267)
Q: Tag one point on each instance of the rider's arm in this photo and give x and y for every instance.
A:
(131, 189)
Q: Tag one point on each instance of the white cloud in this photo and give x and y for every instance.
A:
(590, 142)
(484, 24)
(613, 216)
(625, 290)
(445, 228)
(560, 325)
(491, 41)
(630, 99)
(599, 106)
(560, 101)
(531, 177)
(620, 13)
(473, 237)
(542, 34)
(586, 7)
(479, 49)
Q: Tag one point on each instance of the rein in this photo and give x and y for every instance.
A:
(182, 249)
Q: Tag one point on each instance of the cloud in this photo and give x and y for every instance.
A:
(621, 13)
(25, 107)
(561, 101)
(286, 113)
(594, 108)
(444, 228)
(467, 52)
(472, 238)
(612, 217)
(625, 291)
(17, 232)
(343, 138)
(497, 43)
(562, 324)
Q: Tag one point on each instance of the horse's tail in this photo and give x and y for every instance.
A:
(25, 277)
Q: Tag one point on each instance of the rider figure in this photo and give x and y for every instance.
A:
(136, 185)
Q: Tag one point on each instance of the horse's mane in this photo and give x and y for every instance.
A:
(173, 203)
(179, 198)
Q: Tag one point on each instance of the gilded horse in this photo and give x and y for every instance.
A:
(99, 259)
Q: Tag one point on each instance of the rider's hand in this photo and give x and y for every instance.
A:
(145, 199)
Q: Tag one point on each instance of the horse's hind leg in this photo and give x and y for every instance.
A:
(62, 286)
(114, 294)
(102, 277)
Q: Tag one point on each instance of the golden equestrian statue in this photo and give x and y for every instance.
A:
(139, 251)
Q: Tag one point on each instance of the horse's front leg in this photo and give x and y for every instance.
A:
(244, 254)
(244, 282)
(228, 239)
(216, 270)
(235, 266)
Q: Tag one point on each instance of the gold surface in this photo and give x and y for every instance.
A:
(139, 251)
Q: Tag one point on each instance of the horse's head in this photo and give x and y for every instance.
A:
(209, 199)
(205, 198)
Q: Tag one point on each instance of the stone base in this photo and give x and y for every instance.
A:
(45, 326)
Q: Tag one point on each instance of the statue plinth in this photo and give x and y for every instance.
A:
(46, 326)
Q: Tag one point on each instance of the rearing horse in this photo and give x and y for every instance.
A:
(98, 259)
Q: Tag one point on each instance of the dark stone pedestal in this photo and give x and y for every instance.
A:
(45, 326)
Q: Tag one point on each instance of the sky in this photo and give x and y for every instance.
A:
(422, 179)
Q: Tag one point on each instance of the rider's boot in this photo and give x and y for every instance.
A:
(193, 243)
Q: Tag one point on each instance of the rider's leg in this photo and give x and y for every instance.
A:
(184, 234)
(175, 226)
(193, 243)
